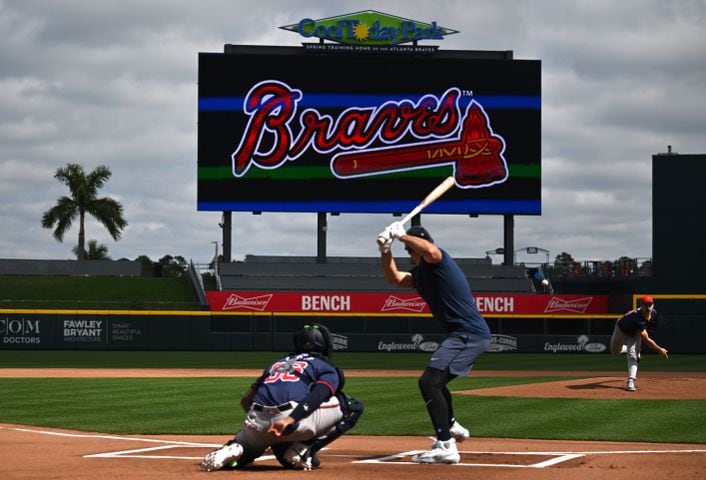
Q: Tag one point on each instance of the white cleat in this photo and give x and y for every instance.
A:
(299, 457)
(225, 455)
(459, 432)
(441, 452)
(630, 387)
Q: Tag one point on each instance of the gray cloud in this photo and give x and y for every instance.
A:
(115, 83)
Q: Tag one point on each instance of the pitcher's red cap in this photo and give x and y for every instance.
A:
(647, 299)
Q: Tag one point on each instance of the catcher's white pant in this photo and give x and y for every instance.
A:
(255, 438)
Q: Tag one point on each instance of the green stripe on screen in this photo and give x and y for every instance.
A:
(323, 172)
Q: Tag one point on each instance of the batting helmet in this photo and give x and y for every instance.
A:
(421, 232)
(313, 338)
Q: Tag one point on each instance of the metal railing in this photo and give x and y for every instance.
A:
(623, 268)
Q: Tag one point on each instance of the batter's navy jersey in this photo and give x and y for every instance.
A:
(634, 322)
(292, 377)
(445, 289)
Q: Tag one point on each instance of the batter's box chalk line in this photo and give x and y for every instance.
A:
(397, 459)
(141, 453)
(559, 457)
(163, 444)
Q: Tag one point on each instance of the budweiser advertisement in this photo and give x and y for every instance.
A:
(403, 303)
(286, 130)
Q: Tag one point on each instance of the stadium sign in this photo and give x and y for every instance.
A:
(368, 27)
(491, 305)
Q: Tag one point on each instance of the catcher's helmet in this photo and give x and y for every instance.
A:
(421, 232)
(313, 338)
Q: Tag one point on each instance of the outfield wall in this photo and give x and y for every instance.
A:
(200, 330)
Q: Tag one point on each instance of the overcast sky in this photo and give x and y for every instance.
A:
(115, 83)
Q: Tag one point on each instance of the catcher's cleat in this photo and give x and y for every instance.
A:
(310, 462)
(441, 452)
(300, 457)
(459, 432)
(227, 455)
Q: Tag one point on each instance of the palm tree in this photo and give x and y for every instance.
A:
(96, 251)
(84, 189)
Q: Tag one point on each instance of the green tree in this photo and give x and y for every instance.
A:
(95, 251)
(84, 199)
(563, 259)
(563, 264)
(146, 265)
(172, 266)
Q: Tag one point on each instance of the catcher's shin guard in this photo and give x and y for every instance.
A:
(302, 455)
(352, 410)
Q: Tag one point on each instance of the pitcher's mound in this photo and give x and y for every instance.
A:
(655, 388)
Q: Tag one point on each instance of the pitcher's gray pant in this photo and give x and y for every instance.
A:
(633, 343)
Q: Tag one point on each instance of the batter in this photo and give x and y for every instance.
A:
(443, 286)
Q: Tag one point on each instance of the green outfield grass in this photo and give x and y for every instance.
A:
(393, 405)
(382, 360)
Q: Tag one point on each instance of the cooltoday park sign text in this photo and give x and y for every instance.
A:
(368, 28)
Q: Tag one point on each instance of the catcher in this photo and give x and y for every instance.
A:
(296, 407)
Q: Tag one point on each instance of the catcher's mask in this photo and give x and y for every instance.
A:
(313, 338)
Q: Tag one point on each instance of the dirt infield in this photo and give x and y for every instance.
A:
(43, 453)
(31, 452)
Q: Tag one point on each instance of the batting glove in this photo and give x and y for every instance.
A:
(384, 244)
(384, 241)
(397, 230)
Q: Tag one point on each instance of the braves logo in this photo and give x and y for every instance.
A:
(469, 144)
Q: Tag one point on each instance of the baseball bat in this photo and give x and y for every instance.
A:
(433, 196)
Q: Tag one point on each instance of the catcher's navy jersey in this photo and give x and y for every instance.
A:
(445, 289)
(292, 377)
(634, 322)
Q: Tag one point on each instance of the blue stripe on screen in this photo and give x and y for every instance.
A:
(320, 100)
(481, 207)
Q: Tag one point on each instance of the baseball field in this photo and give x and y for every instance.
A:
(134, 415)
